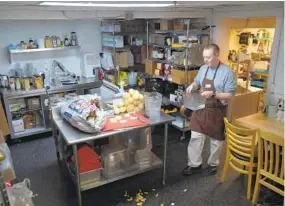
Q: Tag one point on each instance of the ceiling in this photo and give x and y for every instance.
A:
(180, 4)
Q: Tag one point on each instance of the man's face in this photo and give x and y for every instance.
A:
(210, 58)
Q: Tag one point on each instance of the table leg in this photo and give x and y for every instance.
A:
(56, 140)
(78, 187)
(165, 153)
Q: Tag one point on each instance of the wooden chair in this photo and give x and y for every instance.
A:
(270, 169)
(240, 152)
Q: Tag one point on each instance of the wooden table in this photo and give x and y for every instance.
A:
(262, 122)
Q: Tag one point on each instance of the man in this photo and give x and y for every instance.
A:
(217, 85)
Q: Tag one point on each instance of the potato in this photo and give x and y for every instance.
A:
(113, 120)
(121, 104)
(123, 109)
(141, 106)
(118, 117)
(137, 109)
(129, 100)
(117, 110)
(136, 103)
(141, 97)
(126, 95)
(130, 108)
(136, 96)
(127, 115)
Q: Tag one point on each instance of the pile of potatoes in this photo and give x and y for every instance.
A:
(133, 101)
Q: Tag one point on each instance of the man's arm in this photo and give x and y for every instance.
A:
(229, 88)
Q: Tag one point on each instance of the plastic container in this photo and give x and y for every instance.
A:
(132, 78)
(193, 101)
(117, 161)
(153, 103)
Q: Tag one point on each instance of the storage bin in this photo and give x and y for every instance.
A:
(33, 103)
(90, 176)
(178, 76)
(153, 103)
(117, 161)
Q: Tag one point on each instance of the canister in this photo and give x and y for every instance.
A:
(38, 82)
(12, 83)
(17, 84)
(27, 85)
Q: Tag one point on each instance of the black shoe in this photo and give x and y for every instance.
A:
(212, 170)
(191, 170)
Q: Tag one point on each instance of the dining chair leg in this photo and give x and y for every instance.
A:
(256, 189)
(226, 168)
(249, 182)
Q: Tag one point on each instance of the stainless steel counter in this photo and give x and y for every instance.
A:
(74, 136)
(84, 83)
(65, 134)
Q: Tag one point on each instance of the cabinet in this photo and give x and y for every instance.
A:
(28, 112)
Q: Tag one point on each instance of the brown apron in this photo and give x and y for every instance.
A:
(210, 120)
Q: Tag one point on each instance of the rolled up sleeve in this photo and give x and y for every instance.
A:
(230, 84)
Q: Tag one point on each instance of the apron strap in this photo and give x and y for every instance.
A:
(214, 73)
(216, 70)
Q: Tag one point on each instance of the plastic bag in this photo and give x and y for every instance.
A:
(84, 113)
(6, 165)
(193, 101)
(20, 194)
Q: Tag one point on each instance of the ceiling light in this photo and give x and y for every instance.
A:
(103, 5)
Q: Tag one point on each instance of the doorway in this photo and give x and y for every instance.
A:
(247, 49)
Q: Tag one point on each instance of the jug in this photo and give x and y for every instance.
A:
(132, 78)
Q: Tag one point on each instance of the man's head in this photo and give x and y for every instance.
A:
(211, 55)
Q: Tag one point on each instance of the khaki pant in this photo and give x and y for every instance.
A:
(196, 146)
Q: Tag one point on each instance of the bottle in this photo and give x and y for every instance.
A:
(48, 42)
(47, 75)
(66, 42)
(73, 39)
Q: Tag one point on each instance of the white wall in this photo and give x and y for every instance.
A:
(13, 31)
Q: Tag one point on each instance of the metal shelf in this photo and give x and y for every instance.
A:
(25, 111)
(191, 31)
(156, 163)
(32, 131)
(43, 50)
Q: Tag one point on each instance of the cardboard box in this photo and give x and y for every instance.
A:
(150, 66)
(158, 72)
(121, 59)
(179, 27)
(166, 24)
(143, 54)
(4, 127)
(160, 66)
(178, 76)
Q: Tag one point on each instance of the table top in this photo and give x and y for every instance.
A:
(74, 136)
(262, 122)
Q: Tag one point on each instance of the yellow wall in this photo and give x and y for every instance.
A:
(228, 24)
(251, 48)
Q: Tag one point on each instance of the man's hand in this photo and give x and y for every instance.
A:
(192, 87)
(207, 94)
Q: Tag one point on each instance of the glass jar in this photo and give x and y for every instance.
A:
(73, 39)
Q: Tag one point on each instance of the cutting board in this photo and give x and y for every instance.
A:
(134, 120)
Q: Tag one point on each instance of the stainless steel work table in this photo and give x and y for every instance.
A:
(62, 130)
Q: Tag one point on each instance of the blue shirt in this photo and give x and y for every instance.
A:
(225, 81)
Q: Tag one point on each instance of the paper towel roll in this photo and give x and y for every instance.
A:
(41, 43)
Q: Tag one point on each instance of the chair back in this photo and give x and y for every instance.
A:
(240, 141)
(271, 160)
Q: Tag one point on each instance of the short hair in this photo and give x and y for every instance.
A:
(214, 47)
